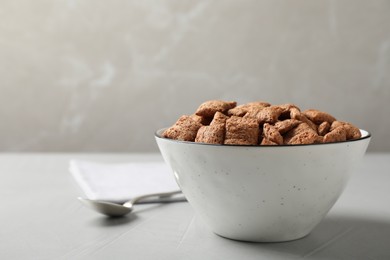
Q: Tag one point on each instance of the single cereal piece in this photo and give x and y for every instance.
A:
(209, 108)
(338, 134)
(323, 128)
(252, 112)
(185, 129)
(271, 133)
(352, 131)
(286, 125)
(304, 138)
(270, 115)
(219, 118)
(267, 115)
(211, 134)
(301, 128)
(241, 110)
(295, 113)
(318, 116)
(243, 131)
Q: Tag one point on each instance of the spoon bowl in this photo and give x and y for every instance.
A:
(111, 209)
(106, 208)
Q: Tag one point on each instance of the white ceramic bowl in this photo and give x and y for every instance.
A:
(262, 193)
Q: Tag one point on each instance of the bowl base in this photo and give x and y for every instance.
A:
(264, 239)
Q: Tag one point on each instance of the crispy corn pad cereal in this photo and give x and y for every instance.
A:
(259, 123)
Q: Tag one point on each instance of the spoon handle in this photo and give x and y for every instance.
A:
(134, 200)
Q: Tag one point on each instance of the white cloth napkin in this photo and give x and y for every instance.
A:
(121, 182)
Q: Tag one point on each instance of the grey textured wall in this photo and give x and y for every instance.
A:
(102, 76)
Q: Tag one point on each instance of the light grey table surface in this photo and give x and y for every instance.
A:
(41, 219)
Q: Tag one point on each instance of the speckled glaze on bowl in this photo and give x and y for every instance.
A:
(262, 193)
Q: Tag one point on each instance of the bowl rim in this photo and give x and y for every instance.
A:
(157, 134)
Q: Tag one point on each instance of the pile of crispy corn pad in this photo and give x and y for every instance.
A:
(259, 123)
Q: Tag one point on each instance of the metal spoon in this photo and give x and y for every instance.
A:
(117, 210)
